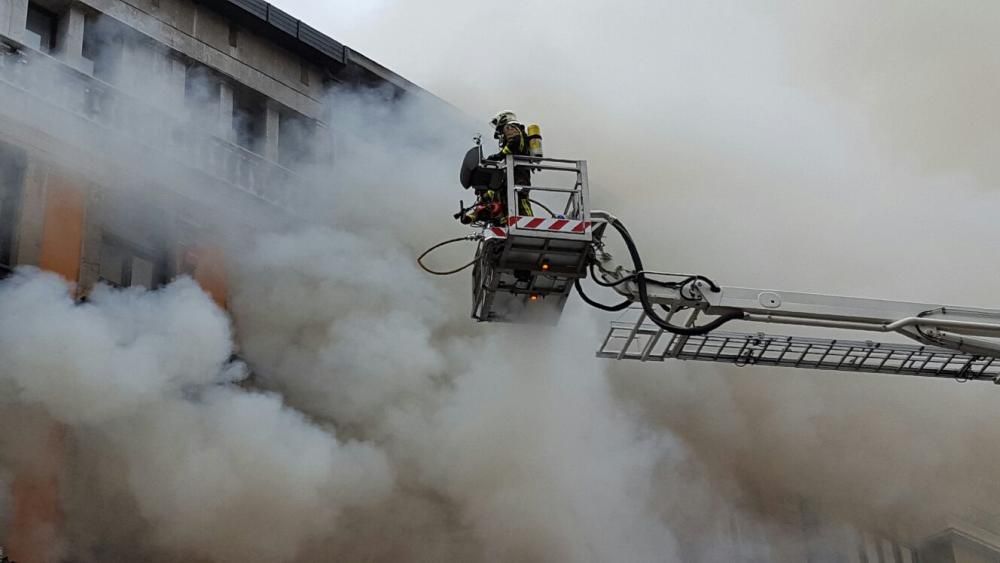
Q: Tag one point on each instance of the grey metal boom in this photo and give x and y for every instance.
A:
(957, 342)
(645, 341)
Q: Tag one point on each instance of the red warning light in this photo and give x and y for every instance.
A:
(534, 297)
(545, 265)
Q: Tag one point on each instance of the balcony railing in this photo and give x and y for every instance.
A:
(41, 77)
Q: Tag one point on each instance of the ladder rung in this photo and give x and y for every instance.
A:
(802, 352)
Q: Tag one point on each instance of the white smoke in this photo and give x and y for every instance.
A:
(546, 464)
(344, 324)
(119, 353)
(236, 476)
(215, 471)
(382, 425)
(829, 147)
(372, 392)
(523, 441)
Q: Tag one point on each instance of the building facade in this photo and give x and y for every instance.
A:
(126, 128)
(221, 101)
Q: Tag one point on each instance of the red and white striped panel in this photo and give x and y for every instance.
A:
(554, 225)
(494, 232)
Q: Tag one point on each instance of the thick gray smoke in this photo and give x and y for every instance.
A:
(113, 356)
(379, 422)
(830, 147)
(140, 376)
(496, 426)
(382, 425)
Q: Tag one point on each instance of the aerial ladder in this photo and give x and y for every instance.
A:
(525, 268)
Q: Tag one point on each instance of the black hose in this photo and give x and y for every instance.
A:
(420, 259)
(542, 205)
(615, 283)
(630, 277)
(613, 308)
(647, 307)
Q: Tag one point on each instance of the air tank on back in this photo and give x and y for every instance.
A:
(535, 140)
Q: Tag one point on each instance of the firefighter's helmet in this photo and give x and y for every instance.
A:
(503, 118)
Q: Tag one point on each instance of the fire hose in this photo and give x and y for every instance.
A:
(439, 245)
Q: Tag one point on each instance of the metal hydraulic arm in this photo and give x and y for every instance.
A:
(677, 316)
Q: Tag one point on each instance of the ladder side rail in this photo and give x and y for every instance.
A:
(775, 304)
(929, 323)
(824, 354)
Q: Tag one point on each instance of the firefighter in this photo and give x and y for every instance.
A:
(513, 139)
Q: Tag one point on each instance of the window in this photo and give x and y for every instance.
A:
(124, 264)
(103, 44)
(201, 93)
(296, 137)
(304, 72)
(249, 114)
(234, 34)
(41, 28)
(11, 187)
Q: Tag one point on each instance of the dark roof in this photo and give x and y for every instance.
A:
(284, 29)
(342, 62)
